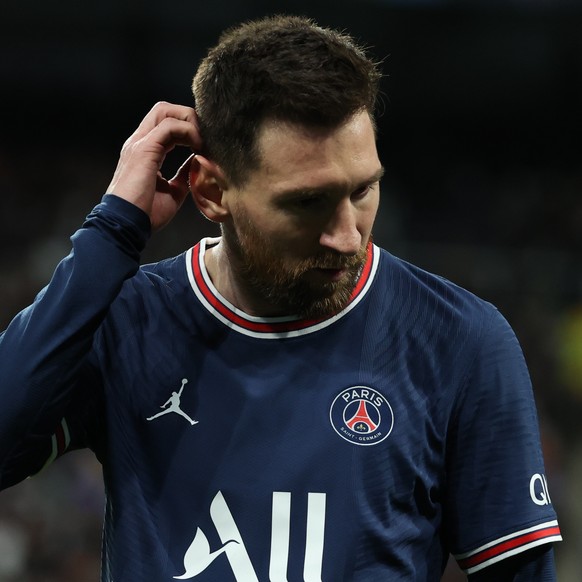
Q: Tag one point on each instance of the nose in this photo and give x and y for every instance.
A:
(341, 232)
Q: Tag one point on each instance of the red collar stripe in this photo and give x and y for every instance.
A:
(261, 325)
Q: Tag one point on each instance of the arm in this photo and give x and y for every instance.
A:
(499, 511)
(43, 352)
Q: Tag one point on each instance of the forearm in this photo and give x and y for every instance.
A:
(44, 347)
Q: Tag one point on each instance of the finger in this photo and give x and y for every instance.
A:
(163, 110)
(171, 132)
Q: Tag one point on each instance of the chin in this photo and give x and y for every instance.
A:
(324, 307)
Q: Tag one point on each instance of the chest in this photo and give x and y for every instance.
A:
(314, 410)
(269, 443)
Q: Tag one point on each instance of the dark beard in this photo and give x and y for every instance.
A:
(260, 268)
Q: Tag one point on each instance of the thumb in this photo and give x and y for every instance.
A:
(170, 195)
(180, 182)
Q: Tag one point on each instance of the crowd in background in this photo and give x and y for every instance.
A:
(50, 525)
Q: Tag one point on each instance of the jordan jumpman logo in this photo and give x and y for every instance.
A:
(173, 405)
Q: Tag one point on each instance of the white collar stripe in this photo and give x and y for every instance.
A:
(265, 327)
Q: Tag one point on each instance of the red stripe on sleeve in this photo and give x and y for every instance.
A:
(506, 546)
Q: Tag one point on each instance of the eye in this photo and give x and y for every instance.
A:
(307, 202)
(362, 192)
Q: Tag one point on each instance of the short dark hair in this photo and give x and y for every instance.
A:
(284, 68)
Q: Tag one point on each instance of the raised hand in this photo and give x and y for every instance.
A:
(138, 177)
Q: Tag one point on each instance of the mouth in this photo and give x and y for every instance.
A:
(332, 274)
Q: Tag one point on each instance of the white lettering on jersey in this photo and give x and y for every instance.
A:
(315, 537)
(280, 530)
(198, 556)
(538, 490)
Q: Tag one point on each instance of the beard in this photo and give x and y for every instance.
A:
(292, 285)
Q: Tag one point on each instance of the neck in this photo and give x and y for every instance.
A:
(221, 267)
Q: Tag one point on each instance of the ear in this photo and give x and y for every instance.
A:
(207, 184)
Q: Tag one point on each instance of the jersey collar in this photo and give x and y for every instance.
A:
(266, 327)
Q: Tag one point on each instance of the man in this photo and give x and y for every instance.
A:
(330, 411)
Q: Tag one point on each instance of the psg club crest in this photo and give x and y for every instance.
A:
(361, 416)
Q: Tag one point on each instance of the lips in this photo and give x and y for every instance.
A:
(332, 273)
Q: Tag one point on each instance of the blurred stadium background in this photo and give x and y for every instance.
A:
(480, 133)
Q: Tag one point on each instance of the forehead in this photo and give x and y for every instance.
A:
(293, 155)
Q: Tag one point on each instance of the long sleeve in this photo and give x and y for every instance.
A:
(497, 499)
(536, 564)
(45, 348)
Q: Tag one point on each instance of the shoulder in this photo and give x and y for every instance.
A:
(156, 290)
(433, 305)
(406, 277)
(168, 274)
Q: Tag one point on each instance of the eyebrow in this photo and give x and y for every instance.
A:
(376, 177)
(309, 191)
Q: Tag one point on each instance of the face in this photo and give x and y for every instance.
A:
(298, 229)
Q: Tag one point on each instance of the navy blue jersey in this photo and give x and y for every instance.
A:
(362, 447)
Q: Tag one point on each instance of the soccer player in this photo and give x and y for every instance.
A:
(329, 411)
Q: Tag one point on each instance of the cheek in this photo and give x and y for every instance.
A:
(293, 247)
(291, 238)
(368, 216)
(367, 224)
